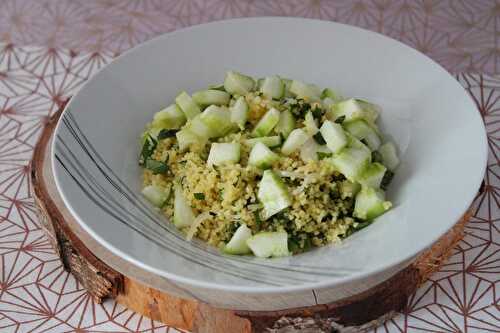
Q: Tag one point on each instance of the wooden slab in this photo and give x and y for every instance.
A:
(353, 314)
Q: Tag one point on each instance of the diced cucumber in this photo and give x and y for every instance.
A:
(185, 138)
(306, 91)
(370, 203)
(294, 141)
(273, 194)
(269, 244)
(311, 125)
(187, 105)
(389, 155)
(273, 87)
(334, 136)
(239, 112)
(224, 153)
(217, 119)
(267, 123)
(200, 129)
(310, 149)
(238, 243)
(362, 131)
(155, 194)
(286, 123)
(262, 157)
(353, 142)
(351, 162)
(353, 109)
(171, 117)
(211, 96)
(330, 93)
(183, 213)
(270, 141)
(373, 174)
(349, 189)
(237, 83)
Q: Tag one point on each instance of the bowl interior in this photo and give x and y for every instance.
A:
(427, 113)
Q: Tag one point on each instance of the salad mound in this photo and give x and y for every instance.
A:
(269, 167)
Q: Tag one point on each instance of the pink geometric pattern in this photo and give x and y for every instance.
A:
(78, 37)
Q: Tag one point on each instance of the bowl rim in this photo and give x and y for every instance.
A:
(348, 278)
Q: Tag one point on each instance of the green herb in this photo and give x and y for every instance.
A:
(317, 112)
(258, 220)
(386, 180)
(199, 196)
(307, 244)
(156, 167)
(165, 133)
(293, 246)
(147, 149)
(340, 120)
(300, 109)
(221, 194)
(322, 155)
(376, 157)
(319, 138)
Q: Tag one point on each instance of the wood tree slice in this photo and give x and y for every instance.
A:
(353, 314)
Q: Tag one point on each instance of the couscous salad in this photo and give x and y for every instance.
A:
(269, 167)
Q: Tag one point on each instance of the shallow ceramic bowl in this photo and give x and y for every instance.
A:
(435, 124)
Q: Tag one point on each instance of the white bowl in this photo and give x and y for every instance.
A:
(436, 125)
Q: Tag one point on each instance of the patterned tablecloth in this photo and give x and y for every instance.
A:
(49, 48)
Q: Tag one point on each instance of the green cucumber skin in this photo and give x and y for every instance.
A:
(211, 97)
(266, 123)
(187, 105)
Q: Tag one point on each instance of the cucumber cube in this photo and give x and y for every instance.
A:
(155, 194)
(238, 243)
(238, 84)
(217, 119)
(239, 112)
(267, 123)
(273, 194)
(262, 157)
(269, 244)
(370, 203)
(286, 124)
(334, 136)
(224, 153)
(171, 117)
(269, 141)
(294, 141)
(273, 87)
(354, 109)
(187, 105)
(351, 162)
(373, 174)
(211, 96)
(183, 213)
(186, 137)
(362, 131)
(389, 155)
